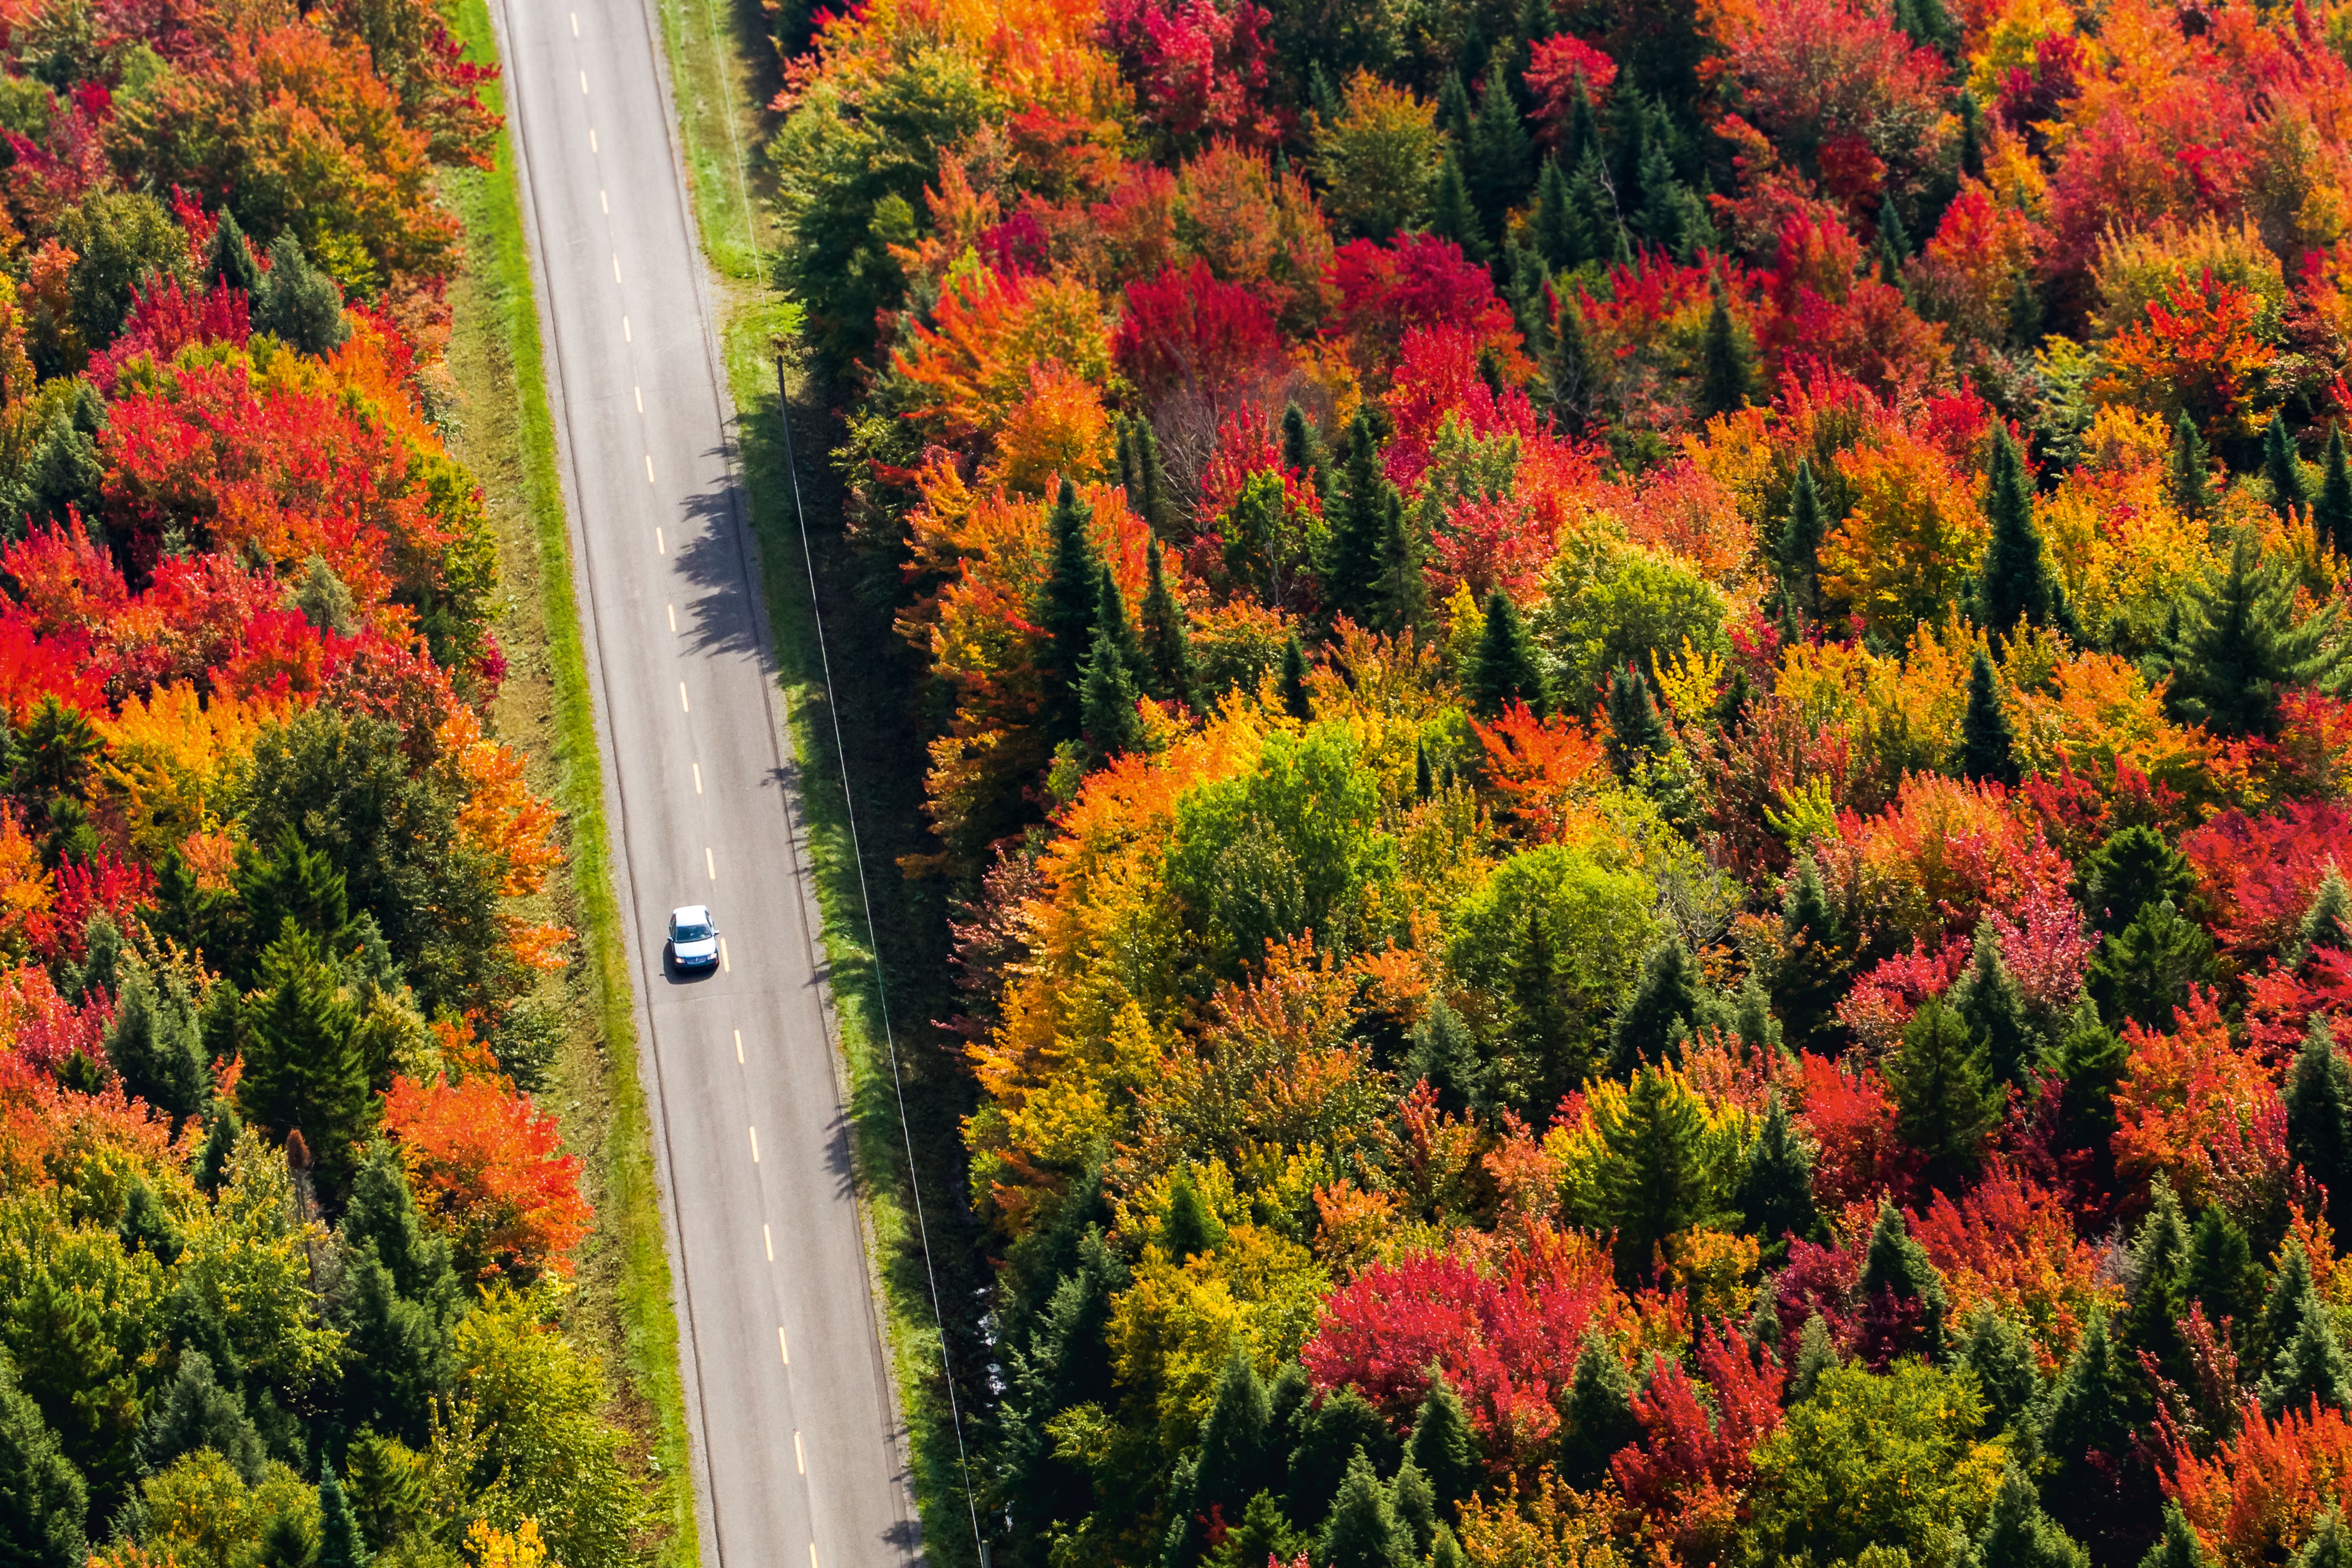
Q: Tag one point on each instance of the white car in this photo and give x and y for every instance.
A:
(693, 938)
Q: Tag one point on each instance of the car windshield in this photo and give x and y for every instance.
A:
(685, 933)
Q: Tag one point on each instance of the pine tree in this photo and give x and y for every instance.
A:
(42, 1496)
(1945, 1103)
(1987, 741)
(2329, 1546)
(1504, 670)
(1452, 216)
(1555, 230)
(304, 1067)
(2019, 1535)
(1797, 552)
(1415, 1506)
(338, 1533)
(1363, 1531)
(1809, 978)
(1599, 1414)
(1302, 449)
(2222, 1275)
(1350, 570)
(300, 305)
(1294, 698)
(1065, 613)
(1168, 674)
(2088, 1435)
(2188, 481)
(155, 1045)
(2283, 468)
(1442, 1445)
(1670, 997)
(2327, 921)
(2132, 869)
(1726, 365)
(1895, 1272)
(1990, 1003)
(229, 259)
(1776, 1190)
(2177, 1547)
(2142, 974)
(399, 1297)
(2241, 648)
(1583, 136)
(2016, 584)
(1571, 381)
(2319, 1118)
(1637, 730)
(1997, 1351)
(1500, 166)
(2331, 514)
(1236, 1441)
(1401, 597)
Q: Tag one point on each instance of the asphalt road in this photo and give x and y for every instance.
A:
(797, 1446)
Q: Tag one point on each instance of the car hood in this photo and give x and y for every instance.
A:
(708, 948)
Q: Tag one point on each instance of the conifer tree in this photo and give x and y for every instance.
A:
(42, 1496)
(1168, 674)
(1592, 203)
(1990, 1003)
(2159, 1270)
(2132, 869)
(2016, 584)
(1776, 1190)
(2222, 1275)
(338, 1533)
(1945, 1103)
(1987, 741)
(1972, 136)
(2283, 468)
(1401, 597)
(2143, 972)
(2177, 1547)
(1504, 668)
(1442, 1052)
(1726, 365)
(2319, 1118)
(1997, 1351)
(1797, 552)
(1236, 1441)
(1066, 612)
(2239, 648)
(1454, 111)
(1809, 976)
(2187, 477)
(1108, 698)
(2019, 1535)
(2306, 1360)
(1442, 1445)
(1363, 1531)
(1302, 449)
(1669, 998)
(1350, 570)
(1152, 506)
(1415, 1506)
(1895, 1270)
(1600, 1416)
(1557, 236)
(1571, 382)
(1637, 730)
(2331, 514)
(196, 1411)
(1110, 616)
(1294, 698)
(2087, 1437)
(1583, 136)
(229, 259)
(399, 1297)
(1816, 1353)
(304, 1067)
(299, 304)
(1452, 216)
(1500, 166)
(155, 1047)
(2293, 1298)
(1657, 1181)
(1191, 1226)
(2329, 1546)
(220, 1141)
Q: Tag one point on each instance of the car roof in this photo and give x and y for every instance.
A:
(690, 915)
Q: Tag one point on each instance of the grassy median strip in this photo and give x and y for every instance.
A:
(721, 71)
(506, 433)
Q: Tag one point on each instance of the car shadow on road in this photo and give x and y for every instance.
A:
(678, 973)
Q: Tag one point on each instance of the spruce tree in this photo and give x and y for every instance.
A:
(42, 1496)
(1583, 135)
(1600, 1416)
(2132, 869)
(1454, 110)
(2143, 972)
(1189, 1226)
(2178, 1546)
(1302, 449)
(1637, 730)
(2331, 514)
(2087, 1438)
(2016, 583)
(338, 1533)
(1809, 977)
(2241, 648)
(1987, 741)
(1899, 1285)
(2293, 1298)
(1726, 372)
(1600, 228)
(1558, 238)
(220, 1141)
(1504, 668)
(1442, 1052)
(2283, 468)
(229, 259)
(1500, 166)
(2159, 1268)
(1066, 612)
(1655, 1181)
(1415, 1506)
(1152, 506)
(1816, 1353)
(1236, 1441)
(1168, 675)
(2329, 1546)
(2319, 1118)
(1359, 517)
(1997, 1353)
(1452, 215)
(1991, 1004)
(2222, 1275)
(2326, 919)
(1945, 1100)
(1571, 379)
(399, 1297)
(299, 304)
(1363, 1531)
(1776, 1190)
(1401, 597)
(1442, 1445)
(155, 1045)
(2019, 1535)
(2307, 1359)
(1296, 701)
(304, 1069)
(1670, 997)
(2091, 1061)
(1797, 552)
(2188, 478)
(196, 1411)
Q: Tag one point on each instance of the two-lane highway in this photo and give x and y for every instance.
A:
(798, 1458)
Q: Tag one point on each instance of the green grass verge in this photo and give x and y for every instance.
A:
(723, 70)
(506, 433)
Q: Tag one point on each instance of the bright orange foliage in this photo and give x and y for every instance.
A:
(488, 1168)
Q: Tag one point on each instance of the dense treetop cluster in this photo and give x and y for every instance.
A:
(1639, 716)
(283, 1237)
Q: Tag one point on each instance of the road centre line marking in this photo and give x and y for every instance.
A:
(684, 706)
(592, 139)
(811, 1554)
(798, 1458)
(605, 202)
(617, 267)
(649, 467)
(627, 336)
(641, 397)
(739, 1047)
(755, 1145)
(583, 84)
(698, 778)
(709, 863)
(673, 615)
(785, 1349)
(767, 1239)
(660, 548)
(723, 968)
(575, 24)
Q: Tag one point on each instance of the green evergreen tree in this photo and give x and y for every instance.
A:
(1987, 741)
(1442, 1052)
(1296, 701)
(2241, 648)
(2310, 1368)
(1657, 1180)
(340, 1545)
(196, 1411)
(1571, 382)
(398, 1299)
(2329, 1546)
(1945, 1100)
(2283, 468)
(1797, 552)
(2331, 514)
(2130, 870)
(1816, 1353)
(2019, 1535)
(1152, 506)
(1415, 1507)
(1895, 1268)
(1500, 166)
(1350, 569)
(1236, 1441)
(1302, 449)
(1990, 1003)
(2177, 1547)
(220, 1141)
(2159, 1268)
(2222, 1275)
(1108, 696)
(155, 1047)
(1809, 977)
(1264, 1533)
(2293, 1298)
(1066, 612)
(2141, 974)
(2319, 1118)
(1442, 1445)
(1451, 214)
(2187, 478)
(1637, 730)
(1401, 597)
(293, 884)
(1169, 673)
(1504, 670)
(1776, 1190)
(300, 305)
(2087, 1437)
(1332, 1436)
(1558, 238)
(1454, 110)
(1726, 372)
(2024, 322)
(1669, 998)
(229, 259)
(42, 1498)
(304, 1067)
(1191, 1226)
(1592, 203)
(1363, 1531)
(1599, 1419)
(1583, 136)
(2327, 921)
(2017, 582)
(1997, 1351)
